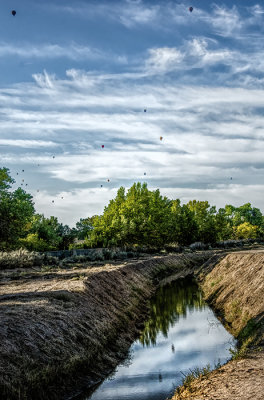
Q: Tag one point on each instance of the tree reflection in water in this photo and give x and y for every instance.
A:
(169, 303)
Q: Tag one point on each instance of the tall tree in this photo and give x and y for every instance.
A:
(16, 211)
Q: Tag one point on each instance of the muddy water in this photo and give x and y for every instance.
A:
(182, 333)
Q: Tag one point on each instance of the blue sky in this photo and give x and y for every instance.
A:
(76, 75)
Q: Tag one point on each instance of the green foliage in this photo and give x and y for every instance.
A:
(48, 234)
(139, 217)
(16, 211)
(84, 227)
(245, 231)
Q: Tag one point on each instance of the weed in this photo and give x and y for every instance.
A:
(194, 374)
(242, 350)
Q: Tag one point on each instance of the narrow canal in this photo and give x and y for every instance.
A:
(181, 333)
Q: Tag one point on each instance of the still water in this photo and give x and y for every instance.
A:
(182, 333)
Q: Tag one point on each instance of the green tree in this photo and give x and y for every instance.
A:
(16, 211)
(139, 217)
(204, 216)
(183, 226)
(84, 227)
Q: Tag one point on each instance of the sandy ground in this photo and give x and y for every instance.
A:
(237, 380)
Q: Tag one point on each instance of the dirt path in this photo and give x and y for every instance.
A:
(237, 380)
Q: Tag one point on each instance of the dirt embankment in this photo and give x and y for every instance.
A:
(63, 329)
(235, 288)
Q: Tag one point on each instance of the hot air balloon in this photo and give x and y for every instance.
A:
(145, 110)
(145, 173)
(161, 137)
(191, 9)
(101, 185)
(108, 180)
(23, 170)
(102, 146)
(52, 201)
(13, 12)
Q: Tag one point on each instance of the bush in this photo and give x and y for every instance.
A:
(198, 246)
(20, 259)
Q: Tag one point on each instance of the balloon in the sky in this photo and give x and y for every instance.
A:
(161, 137)
(101, 185)
(38, 190)
(53, 156)
(102, 146)
(13, 12)
(191, 9)
(108, 180)
(145, 173)
(23, 170)
(145, 110)
(52, 201)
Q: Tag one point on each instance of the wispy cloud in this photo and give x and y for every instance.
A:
(72, 51)
(27, 143)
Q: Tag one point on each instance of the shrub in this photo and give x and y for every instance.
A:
(198, 246)
(20, 259)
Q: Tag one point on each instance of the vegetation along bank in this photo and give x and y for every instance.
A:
(67, 327)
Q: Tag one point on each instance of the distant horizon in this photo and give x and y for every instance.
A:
(94, 96)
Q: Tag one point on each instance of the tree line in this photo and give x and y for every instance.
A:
(138, 217)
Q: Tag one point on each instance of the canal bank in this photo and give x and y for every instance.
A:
(66, 329)
(234, 287)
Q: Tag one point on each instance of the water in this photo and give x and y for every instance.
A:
(182, 333)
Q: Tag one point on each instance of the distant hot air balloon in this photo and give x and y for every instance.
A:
(102, 146)
(23, 170)
(145, 110)
(161, 137)
(38, 190)
(61, 197)
(145, 173)
(52, 201)
(17, 173)
(13, 12)
(53, 156)
(23, 180)
(191, 9)
(101, 185)
(108, 180)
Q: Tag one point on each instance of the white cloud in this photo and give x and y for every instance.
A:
(27, 143)
(163, 59)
